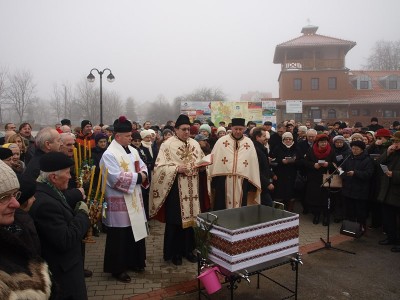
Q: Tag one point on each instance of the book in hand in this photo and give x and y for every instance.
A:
(290, 159)
(384, 168)
(205, 161)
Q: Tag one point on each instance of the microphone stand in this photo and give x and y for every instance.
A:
(327, 244)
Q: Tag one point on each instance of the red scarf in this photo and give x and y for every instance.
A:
(321, 153)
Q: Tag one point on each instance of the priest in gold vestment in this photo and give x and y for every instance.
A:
(174, 192)
(234, 175)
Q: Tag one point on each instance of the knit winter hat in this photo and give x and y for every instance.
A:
(338, 138)
(221, 129)
(8, 179)
(287, 135)
(205, 127)
(84, 123)
(100, 136)
(5, 153)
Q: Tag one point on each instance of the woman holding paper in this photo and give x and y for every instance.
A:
(357, 172)
(318, 160)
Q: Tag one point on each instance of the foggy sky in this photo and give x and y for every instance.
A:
(173, 47)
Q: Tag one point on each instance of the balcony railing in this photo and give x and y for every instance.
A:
(311, 64)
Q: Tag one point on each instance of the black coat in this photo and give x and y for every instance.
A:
(286, 173)
(341, 153)
(358, 185)
(389, 192)
(265, 171)
(61, 232)
(315, 194)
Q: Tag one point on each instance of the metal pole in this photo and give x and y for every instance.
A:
(101, 97)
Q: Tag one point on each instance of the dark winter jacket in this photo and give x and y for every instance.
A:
(286, 173)
(61, 231)
(265, 171)
(23, 275)
(389, 192)
(358, 185)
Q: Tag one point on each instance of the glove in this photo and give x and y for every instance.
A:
(81, 206)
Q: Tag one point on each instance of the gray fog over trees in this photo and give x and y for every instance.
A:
(384, 56)
(18, 101)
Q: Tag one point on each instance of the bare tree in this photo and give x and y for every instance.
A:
(112, 106)
(385, 56)
(160, 110)
(3, 86)
(56, 101)
(87, 99)
(21, 92)
(62, 101)
(130, 109)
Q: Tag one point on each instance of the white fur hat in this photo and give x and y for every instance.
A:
(145, 133)
(8, 179)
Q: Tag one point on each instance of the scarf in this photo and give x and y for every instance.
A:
(321, 153)
(288, 146)
(149, 146)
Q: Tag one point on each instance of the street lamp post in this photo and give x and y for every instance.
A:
(110, 78)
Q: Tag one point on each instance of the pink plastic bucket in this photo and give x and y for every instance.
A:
(210, 280)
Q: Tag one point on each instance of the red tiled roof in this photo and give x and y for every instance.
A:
(316, 40)
(378, 94)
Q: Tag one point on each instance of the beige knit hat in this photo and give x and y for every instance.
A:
(8, 179)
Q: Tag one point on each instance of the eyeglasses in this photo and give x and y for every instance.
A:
(288, 139)
(6, 198)
(185, 129)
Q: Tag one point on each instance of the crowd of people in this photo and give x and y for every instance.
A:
(160, 172)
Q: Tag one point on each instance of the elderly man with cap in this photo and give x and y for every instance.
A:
(60, 228)
(235, 170)
(174, 193)
(86, 135)
(124, 216)
(23, 274)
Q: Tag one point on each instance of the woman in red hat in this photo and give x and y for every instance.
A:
(319, 159)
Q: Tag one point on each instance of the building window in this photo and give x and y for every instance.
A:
(331, 114)
(315, 83)
(365, 112)
(297, 84)
(389, 113)
(355, 112)
(392, 85)
(332, 83)
(363, 85)
(391, 82)
(362, 82)
(315, 114)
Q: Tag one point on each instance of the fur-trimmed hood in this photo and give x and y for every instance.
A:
(22, 275)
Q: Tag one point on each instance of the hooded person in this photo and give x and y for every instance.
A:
(174, 192)
(60, 227)
(124, 213)
(235, 170)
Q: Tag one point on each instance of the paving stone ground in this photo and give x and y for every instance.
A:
(164, 276)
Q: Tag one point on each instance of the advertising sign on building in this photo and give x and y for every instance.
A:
(294, 106)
